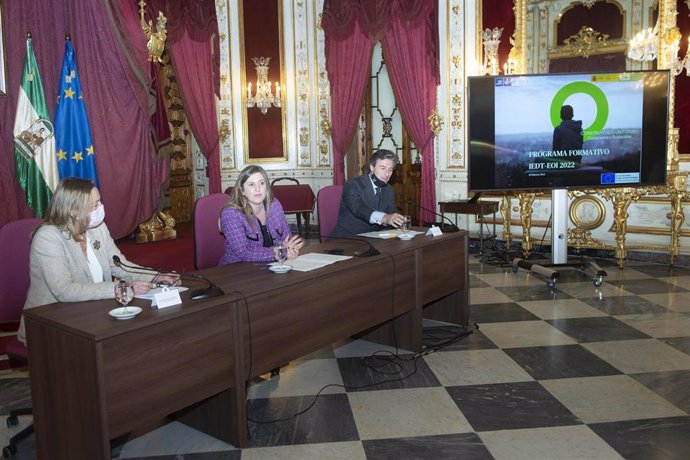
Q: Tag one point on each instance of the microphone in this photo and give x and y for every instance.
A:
(450, 228)
(204, 293)
(369, 252)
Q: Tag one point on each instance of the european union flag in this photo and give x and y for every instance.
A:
(608, 178)
(72, 132)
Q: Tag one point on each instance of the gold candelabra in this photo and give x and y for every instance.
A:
(155, 37)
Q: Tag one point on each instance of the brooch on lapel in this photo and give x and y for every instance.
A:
(97, 245)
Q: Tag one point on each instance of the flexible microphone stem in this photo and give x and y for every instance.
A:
(369, 252)
(210, 291)
(451, 228)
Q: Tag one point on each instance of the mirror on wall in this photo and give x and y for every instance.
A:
(263, 89)
(3, 59)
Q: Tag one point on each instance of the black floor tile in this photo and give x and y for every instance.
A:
(560, 362)
(647, 286)
(499, 313)
(672, 385)
(507, 406)
(228, 455)
(445, 447)
(539, 292)
(658, 270)
(681, 343)
(14, 394)
(475, 341)
(384, 372)
(597, 329)
(453, 337)
(661, 438)
(624, 305)
(476, 282)
(329, 420)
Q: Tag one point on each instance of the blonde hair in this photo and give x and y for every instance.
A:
(239, 201)
(70, 206)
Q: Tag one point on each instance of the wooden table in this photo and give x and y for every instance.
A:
(477, 208)
(95, 379)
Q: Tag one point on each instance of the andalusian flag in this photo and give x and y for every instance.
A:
(34, 143)
(72, 132)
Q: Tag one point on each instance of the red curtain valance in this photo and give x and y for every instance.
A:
(196, 17)
(373, 16)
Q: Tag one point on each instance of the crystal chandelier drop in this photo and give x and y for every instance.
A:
(264, 98)
(644, 46)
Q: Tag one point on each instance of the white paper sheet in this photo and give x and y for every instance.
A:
(312, 261)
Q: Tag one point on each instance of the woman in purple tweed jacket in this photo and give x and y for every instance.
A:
(253, 221)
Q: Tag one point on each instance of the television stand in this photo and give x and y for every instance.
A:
(559, 248)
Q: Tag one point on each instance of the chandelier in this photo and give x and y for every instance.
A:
(644, 46)
(264, 97)
(491, 39)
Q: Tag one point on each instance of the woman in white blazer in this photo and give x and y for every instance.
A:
(72, 252)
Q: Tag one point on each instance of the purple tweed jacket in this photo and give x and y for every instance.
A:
(244, 242)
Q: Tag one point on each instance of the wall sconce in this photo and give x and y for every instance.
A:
(491, 39)
(264, 97)
(677, 65)
(155, 37)
(644, 46)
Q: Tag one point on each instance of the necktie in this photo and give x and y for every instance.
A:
(377, 192)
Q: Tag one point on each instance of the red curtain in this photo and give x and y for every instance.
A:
(130, 174)
(194, 46)
(351, 27)
(410, 57)
(347, 62)
(192, 62)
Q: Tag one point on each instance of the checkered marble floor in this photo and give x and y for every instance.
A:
(576, 372)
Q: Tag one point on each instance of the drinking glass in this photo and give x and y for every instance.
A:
(280, 253)
(124, 292)
(405, 226)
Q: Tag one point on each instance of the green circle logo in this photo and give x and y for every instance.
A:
(591, 90)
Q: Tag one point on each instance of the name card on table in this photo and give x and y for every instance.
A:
(166, 298)
(434, 231)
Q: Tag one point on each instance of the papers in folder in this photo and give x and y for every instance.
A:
(312, 261)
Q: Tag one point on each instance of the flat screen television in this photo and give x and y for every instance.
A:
(522, 137)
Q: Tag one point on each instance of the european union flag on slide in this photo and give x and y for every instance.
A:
(608, 178)
(72, 132)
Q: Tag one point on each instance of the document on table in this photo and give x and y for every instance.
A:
(388, 234)
(312, 261)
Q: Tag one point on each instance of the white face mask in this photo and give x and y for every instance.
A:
(96, 217)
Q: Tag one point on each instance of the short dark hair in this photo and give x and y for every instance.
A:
(383, 154)
(567, 112)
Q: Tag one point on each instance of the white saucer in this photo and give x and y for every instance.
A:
(120, 313)
(279, 269)
(405, 236)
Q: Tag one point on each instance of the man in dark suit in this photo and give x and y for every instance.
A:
(368, 202)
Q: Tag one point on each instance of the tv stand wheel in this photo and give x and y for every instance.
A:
(598, 281)
(9, 451)
(12, 420)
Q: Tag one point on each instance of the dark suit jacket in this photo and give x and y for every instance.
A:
(357, 204)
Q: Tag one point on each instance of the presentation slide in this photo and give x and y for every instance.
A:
(568, 129)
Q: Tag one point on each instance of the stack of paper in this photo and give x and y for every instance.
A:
(312, 261)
